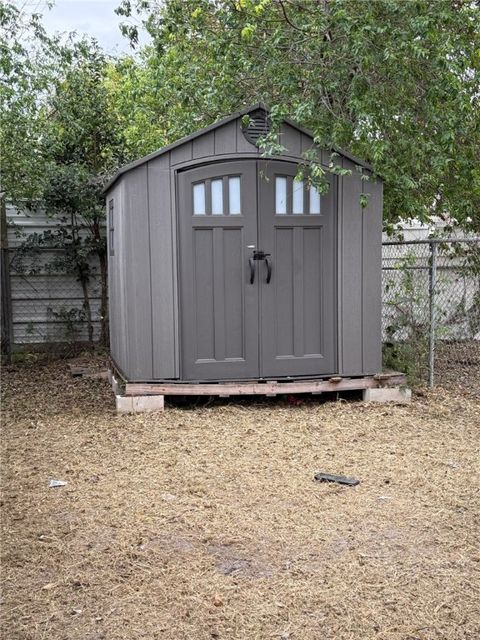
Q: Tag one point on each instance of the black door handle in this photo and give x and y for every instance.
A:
(252, 270)
(268, 262)
(260, 255)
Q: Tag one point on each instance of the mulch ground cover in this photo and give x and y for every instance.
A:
(207, 524)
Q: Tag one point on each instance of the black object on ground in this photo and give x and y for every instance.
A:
(328, 477)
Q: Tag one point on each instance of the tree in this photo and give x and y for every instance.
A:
(81, 148)
(59, 142)
(395, 82)
(28, 61)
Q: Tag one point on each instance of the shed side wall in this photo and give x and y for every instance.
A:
(116, 278)
(350, 263)
(372, 277)
(163, 263)
(359, 275)
(138, 296)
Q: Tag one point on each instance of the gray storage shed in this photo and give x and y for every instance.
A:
(222, 267)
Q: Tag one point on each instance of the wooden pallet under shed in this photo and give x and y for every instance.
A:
(137, 397)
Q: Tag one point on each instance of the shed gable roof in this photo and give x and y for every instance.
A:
(216, 125)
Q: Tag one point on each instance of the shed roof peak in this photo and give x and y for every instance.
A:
(259, 106)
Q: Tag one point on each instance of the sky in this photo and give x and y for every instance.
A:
(95, 18)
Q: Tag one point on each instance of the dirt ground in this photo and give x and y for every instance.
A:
(207, 524)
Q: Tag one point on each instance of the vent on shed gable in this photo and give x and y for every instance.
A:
(257, 127)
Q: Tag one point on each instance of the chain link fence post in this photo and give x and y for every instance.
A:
(6, 297)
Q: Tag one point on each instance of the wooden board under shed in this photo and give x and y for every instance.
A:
(269, 388)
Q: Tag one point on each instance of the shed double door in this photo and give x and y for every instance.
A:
(257, 273)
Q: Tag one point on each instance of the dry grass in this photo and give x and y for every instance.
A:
(457, 364)
(206, 524)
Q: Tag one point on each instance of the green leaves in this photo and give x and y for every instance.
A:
(364, 198)
(394, 82)
(247, 32)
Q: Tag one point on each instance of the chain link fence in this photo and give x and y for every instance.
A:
(46, 307)
(431, 310)
(50, 301)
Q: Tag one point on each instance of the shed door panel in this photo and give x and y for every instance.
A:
(297, 306)
(219, 306)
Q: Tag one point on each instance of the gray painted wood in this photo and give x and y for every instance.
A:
(325, 157)
(117, 264)
(298, 312)
(306, 143)
(175, 245)
(113, 274)
(339, 281)
(163, 257)
(226, 138)
(183, 153)
(291, 139)
(351, 246)
(138, 295)
(219, 305)
(204, 146)
(372, 278)
(122, 261)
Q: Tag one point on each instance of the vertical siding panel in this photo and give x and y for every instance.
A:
(339, 300)
(175, 243)
(225, 139)
(305, 142)
(204, 145)
(351, 283)
(291, 139)
(183, 153)
(116, 281)
(219, 294)
(113, 274)
(163, 257)
(137, 275)
(298, 292)
(372, 278)
(121, 261)
(283, 308)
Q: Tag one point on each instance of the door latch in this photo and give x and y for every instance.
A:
(260, 255)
